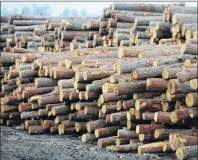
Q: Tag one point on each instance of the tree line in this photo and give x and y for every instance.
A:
(41, 10)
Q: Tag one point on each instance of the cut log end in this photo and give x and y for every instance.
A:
(134, 74)
(190, 100)
(165, 74)
(173, 117)
(180, 154)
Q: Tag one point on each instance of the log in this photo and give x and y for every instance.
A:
(119, 116)
(148, 104)
(32, 123)
(159, 8)
(130, 87)
(32, 91)
(176, 140)
(30, 114)
(48, 99)
(80, 127)
(170, 73)
(146, 137)
(45, 82)
(88, 137)
(183, 18)
(125, 133)
(103, 142)
(110, 97)
(143, 73)
(93, 125)
(162, 117)
(124, 148)
(179, 115)
(60, 110)
(108, 131)
(174, 86)
(186, 152)
(156, 84)
(148, 116)
(147, 128)
(192, 99)
(151, 148)
(187, 75)
(194, 84)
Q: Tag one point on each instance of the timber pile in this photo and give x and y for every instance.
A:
(128, 99)
(135, 24)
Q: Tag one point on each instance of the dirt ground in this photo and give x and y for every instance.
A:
(19, 145)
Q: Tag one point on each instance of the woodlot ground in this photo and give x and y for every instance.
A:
(19, 145)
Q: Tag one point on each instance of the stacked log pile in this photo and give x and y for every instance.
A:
(127, 99)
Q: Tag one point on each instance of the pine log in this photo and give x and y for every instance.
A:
(194, 84)
(187, 75)
(148, 104)
(103, 132)
(103, 142)
(176, 140)
(147, 128)
(93, 125)
(179, 115)
(88, 137)
(183, 18)
(130, 87)
(151, 148)
(162, 117)
(186, 152)
(192, 99)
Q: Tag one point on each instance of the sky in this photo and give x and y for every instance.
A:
(92, 8)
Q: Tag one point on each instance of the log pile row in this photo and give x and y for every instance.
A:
(127, 99)
(51, 34)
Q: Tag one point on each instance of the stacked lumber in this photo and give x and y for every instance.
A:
(127, 99)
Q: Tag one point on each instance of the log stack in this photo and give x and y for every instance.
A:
(127, 99)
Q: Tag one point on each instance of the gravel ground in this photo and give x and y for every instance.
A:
(19, 145)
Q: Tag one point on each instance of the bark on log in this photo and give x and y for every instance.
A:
(162, 117)
(148, 128)
(186, 152)
(88, 137)
(130, 87)
(156, 84)
(187, 75)
(108, 131)
(93, 125)
(192, 99)
(103, 142)
(151, 148)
